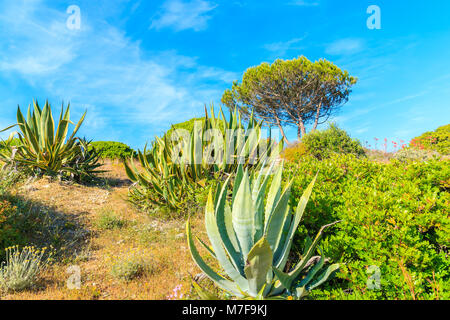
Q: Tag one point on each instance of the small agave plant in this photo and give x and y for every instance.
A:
(251, 239)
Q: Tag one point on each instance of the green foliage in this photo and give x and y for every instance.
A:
(10, 231)
(113, 150)
(45, 149)
(108, 220)
(324, 143)
(393, 214)
(294, 152)
(176, 166)
(413, 154)
(190, 202)
(130, 266)
(438, 140)
(251, 239)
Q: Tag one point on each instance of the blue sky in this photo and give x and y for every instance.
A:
(138, 66)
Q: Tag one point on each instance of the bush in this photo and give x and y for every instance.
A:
(192, 201)
(22, 268)
(295, 152)
(131, 265)
(325, 143)
(438, 140)
(412, 154)
(10, 233)
(8, 178)
(113, 150)
(394, 216)
(108, 220)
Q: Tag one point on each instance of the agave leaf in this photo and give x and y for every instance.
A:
(203, 294)
(259, 262)
(130, 173)
(274, 194)
(324, 276)
(216, 242)
(275, 224)
(243, 216)
(310, 276)
(282, 252)
(208, 248)
(225, 284)
(293, 275)
(225, 226)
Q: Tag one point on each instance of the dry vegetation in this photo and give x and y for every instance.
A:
(159, 244)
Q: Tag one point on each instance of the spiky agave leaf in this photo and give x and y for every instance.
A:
(233, 232)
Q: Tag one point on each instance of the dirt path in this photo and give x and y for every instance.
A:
(160, 244)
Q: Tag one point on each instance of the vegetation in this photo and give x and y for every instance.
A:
(251, 240)
(391, 242)
(108, 220)
(130, 266)
(394, 216)
(438, 140)
(22, 268)
(414, 154)
(46, 150)
(294, 92)
(112, 150)
(323, 144)
(174, 169)
(10, 232)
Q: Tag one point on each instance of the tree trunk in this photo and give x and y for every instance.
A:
(301, 131)
(316, 120)
(282, 132)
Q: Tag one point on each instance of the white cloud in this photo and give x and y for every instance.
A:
(182, 15)
(281, 48)
(303, 3)
(126, 91)
(345, 46)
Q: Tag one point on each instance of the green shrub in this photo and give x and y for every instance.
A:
(324, 143)
(395, 216)
(413, 154)
(10, 232)
(295, 152)
(131, 265)
(108, 220)
(113, 150)
(438, 140)
(8, 178)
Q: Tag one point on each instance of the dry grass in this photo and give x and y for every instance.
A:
(159, 241)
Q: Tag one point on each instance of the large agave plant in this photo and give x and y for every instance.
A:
(171, 180)
(251, 240)
(47, 149)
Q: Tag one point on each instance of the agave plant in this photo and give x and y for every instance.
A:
(251, 240)
(46, 149)
(175, 165)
